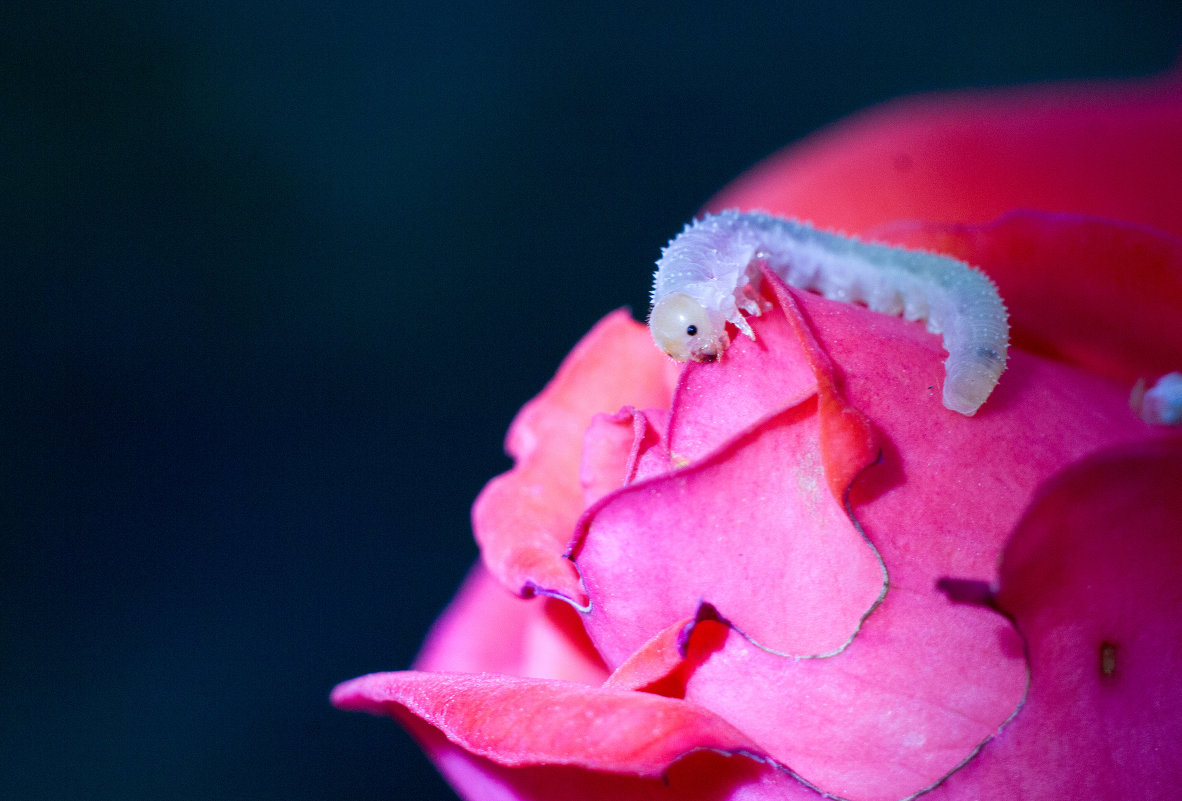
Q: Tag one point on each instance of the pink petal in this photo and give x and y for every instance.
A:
(757, 534)
(614, 447)
(848, 440)
(523, 519)
(487, 628)
(915, 693)
(925, 681)
(931, 679)
(1117, 288)
(761, 379)
(698, 776)
(1091, 577)
(1109, 150)
(516, 721)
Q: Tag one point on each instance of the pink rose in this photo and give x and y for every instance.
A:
(793, 571)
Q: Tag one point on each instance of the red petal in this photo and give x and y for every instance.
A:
(1106, 150)
(920, 687)
(524, 519)
(699, 776)
(665, 663)
(654, 661)
(515, 721)
(1091, 576)
(1116, 288)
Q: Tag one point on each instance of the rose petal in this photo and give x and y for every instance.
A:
(752, 527)
(848, 440)
(652, 451)
(665, 663)
(715, 401)
(699, 776)
(523, 519)
(912, 697)
(1106, 150)
(1091, 577)
(654, 662)
(615, 447)
(517, 721)
(487, 628)
(1117, 288)
(925, 681)
(608, 448)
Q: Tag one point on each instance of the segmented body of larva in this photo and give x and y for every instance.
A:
(709, 276)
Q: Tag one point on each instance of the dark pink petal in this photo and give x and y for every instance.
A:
(1109, 150)
(1117, 288)
(487, 628)
(1092, 579)
(925, 681)
(919, 688)
(698, 776)
(753, 382)
(516, 721)
(751, 527)
(523, 519)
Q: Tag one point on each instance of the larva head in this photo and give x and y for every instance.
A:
(684, 329)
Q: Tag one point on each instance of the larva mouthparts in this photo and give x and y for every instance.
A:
(708, 274)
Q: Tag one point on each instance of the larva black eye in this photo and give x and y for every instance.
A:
(682, 328)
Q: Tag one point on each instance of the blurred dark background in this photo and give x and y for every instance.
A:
(276, 276)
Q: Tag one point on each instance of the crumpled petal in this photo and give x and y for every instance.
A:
(752, 527)
(523, 519)
(1109, 150)
(1091, 577)
(1116, 288)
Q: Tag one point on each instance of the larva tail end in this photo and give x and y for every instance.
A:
(967, 389)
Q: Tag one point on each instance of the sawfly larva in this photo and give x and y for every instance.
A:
(709, 276)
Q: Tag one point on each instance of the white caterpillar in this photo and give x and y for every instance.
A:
(709, 276)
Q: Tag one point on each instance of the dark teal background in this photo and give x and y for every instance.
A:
(276, 276)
